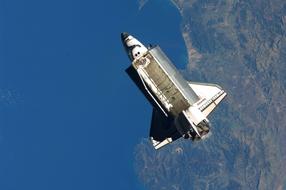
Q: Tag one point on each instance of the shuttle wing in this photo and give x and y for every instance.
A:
(210, 96)
(162, 131)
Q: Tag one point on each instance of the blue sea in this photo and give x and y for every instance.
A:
(76, 117)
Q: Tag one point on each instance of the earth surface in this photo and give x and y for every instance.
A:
(241, 46)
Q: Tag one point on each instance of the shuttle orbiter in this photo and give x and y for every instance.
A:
(180, 107)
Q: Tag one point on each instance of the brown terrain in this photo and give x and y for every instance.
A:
(240, 45)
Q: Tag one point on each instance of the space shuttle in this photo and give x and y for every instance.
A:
(180, 107)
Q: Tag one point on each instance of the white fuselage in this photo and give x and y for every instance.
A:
(166, 86)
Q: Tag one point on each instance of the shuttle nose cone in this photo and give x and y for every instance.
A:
(124, 35)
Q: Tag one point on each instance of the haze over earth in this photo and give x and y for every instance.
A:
(70, 117)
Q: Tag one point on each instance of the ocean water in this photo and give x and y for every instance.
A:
(72, 117)
(158, 23)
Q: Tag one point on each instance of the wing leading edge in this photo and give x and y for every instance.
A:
(210, 96)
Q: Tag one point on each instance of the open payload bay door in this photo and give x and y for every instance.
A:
(162, 131)
(210, 96)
